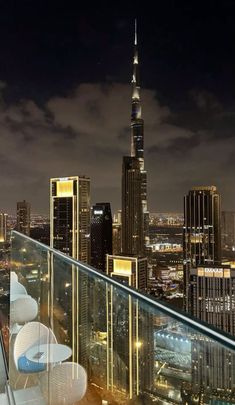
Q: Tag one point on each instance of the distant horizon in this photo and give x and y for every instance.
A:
(47, 215)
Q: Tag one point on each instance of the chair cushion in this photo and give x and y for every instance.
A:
(28, 366)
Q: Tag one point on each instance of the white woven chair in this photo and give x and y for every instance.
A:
(17, 288)
(31, 334)
(22, 310)
(66, 384)
(13, 277)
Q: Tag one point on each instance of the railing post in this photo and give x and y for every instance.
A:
(50, 288)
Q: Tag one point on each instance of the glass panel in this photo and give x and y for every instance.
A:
(133, 350)
(4, 305)
(29, 306)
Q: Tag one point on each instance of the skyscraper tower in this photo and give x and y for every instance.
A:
(132, 209)
(137, 123)
(134, 176)
(3, 227)
(130, 267)
(23, 217)
(70, 233)
(137, 134)
(70, 216)
(117, 233)
(209, 289)
(101, 235)
(202, 234)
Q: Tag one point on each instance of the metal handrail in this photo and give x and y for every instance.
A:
(10, 396)
(2, 348)
(8, 390)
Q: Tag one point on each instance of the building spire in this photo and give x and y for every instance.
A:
(135, 31)
(136, 117)
(136, 112)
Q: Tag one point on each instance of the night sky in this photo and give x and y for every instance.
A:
(65, 98)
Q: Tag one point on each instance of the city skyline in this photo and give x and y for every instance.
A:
(118, 131)
(69, 125)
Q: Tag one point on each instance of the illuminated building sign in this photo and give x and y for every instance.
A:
(98, 212)
(64, 188)
(196, 238)
(213, 272)
(122, 266)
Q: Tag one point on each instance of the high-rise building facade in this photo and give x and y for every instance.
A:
(41, 234)
(125, 348)
(132, 209)
(128, 270)
(209, 290)
(70, 216)
(228, 230)
(3, 227)
(134, 177)
(212, 295)
(117, 233)
(101, 235)
(202, 226)
(201, 231)
(70, 233)
(117, 217)
(23, 217)
(130, 267)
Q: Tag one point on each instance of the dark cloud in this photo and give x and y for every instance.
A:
(205, 101)
(124, 134)
(87, 133)
(178, 146)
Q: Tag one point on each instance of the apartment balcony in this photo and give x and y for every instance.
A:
(70, 334)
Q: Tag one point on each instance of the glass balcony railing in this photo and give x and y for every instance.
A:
(132, 349)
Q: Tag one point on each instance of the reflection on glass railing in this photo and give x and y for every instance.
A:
(87, 328)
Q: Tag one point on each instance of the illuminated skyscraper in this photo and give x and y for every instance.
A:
(117, 233)
(137, 133)
(228, 232)
(101, 235)
(131, 266)
(117, 217)
(132, 212)
(207, 379)
(211, 295)
(70, 216)
(3, 227)
(134, 177)
(209, 289)
(128, 270)
(202, 233)
(130, 347)
(23, 217)
(70, 233)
